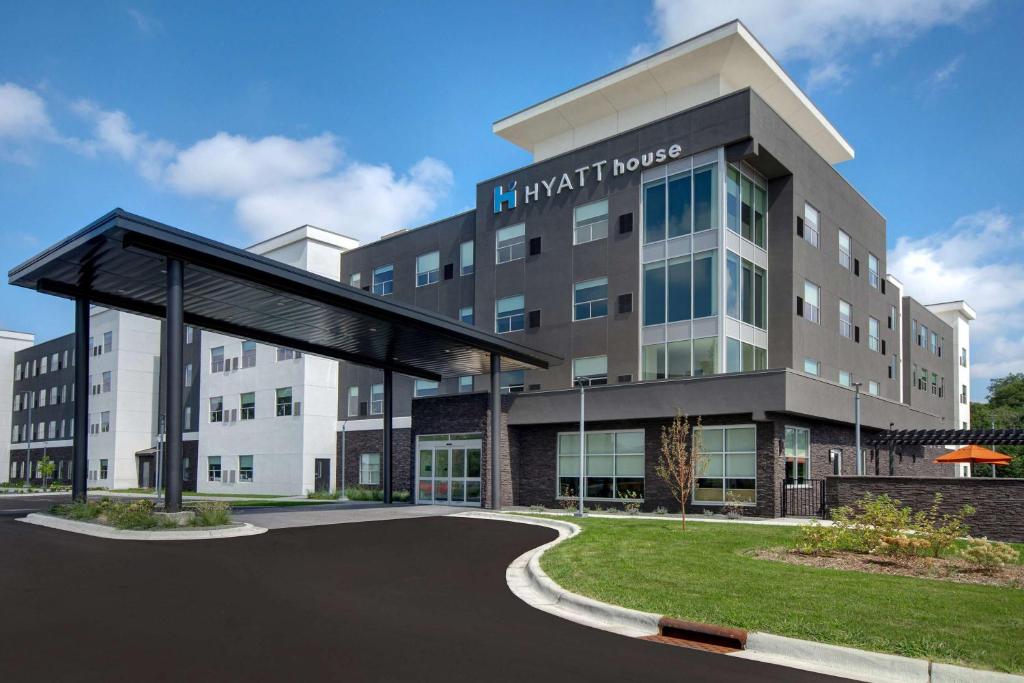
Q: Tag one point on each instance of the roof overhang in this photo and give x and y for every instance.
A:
(723, 60)
(961, 308)
(119, 262)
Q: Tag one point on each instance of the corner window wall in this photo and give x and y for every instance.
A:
(680, 204)
(746, 206)
(746, 292)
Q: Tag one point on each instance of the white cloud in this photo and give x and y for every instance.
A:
(23, 114)
(817, 32)
(825, 75)
(113, 133)
(143, 22)
(944, 74)
(977, 259)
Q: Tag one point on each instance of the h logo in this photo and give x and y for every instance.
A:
(504, 199)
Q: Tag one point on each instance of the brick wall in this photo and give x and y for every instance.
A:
(372, 441)
(999, 502)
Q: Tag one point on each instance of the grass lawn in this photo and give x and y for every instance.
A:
(193, 494)
(264, 503)
(704, 575)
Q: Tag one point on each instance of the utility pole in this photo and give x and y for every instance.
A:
(856, 427)
(583, 444)
(31, 433)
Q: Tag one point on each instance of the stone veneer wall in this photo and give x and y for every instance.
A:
(999, 502)
(372, 441)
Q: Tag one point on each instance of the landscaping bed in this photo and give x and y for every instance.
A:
(143, 515)
(711, 574)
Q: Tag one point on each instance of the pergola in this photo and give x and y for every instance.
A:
(134, 264)
(942, 437)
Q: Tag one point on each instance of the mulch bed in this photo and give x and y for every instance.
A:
(942, 569)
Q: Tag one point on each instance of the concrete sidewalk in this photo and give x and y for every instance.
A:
(339, 513)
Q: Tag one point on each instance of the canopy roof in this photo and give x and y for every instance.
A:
(119, 262)
(977, 455)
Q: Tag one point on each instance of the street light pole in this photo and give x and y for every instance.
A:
(583, 444)
(856, 427)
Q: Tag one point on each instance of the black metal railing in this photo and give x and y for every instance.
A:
(804, 499)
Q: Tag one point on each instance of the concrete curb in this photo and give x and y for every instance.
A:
(528, 581)
(34, 494)
(100, 531)
(533, 586)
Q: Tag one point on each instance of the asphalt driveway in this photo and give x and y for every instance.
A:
(411, 599)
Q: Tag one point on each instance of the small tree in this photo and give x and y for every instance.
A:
(680, 461)
(46, 468)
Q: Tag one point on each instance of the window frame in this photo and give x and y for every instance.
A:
(615, 456)
(246, 474)
(242, 408)
(426, 276)
(589, 223)
(594, 380)
(212, 462)
(812, 227)
(515, 250)
(796, 481)
(370, 470)
(590, 304)
(284, 408)
(845, 254)
(812, 312)
(381, 286)
(846, 331)
(516, 319)
(216, 414)
(464, 267)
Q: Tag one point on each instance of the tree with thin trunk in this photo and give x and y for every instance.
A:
(46, 468)
(681, 459)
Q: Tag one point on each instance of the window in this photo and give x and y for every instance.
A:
(369, 469)
(811, 301)
(425, 387)
(52, 432)
(353, 401)
(377, 399)
(42, 398)
(892, 317)
(108, 342)
(844, 250)
(383, 279)
(510, 243)
(217, 359)
(105, 421)
(746, 204)
(935, 384)
(673, 290)
(811, 224)
(873, 270)
(248, 354)
(213, 468)
(189, 332)
(104, 468)
(873, 334)
(746, 296)
(287, 354)
(509, 314)
(55, 362)
(893, 367)
(844, 378)
(247, 402)
(590, 371)
(43, 365)
(465, 384)
(106, 382)
(428, 268)
(845, 315)
(873, 388)
(512, 381)
(188, 374)
(53, 396)
(187, 420)
(590, 222)
(466, 315)
(245, 468)
(743, 356)
(922, 336)
(17, 402)
(812, 367)
(680, 204)
(284, 401)
(963, 394)
(466, 258)
(590, 299)
(798, 455)
(934, 346)
(615, 464)
(729, 465)
(64, 393)
(216, 409)
(17, 372)
(355, 280)
(963, 357)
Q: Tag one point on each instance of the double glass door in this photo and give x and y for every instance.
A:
(448, 470)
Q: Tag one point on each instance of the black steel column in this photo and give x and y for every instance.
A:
(80, 454)
(386, 456)
(495, 439)
(174, 325)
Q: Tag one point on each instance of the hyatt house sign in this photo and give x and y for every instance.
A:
(571, 180)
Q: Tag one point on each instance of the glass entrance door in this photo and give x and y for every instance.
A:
(448, 469)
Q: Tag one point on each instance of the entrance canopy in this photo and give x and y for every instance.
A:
(120, 260)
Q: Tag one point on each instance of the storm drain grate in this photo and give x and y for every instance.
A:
(699, 636)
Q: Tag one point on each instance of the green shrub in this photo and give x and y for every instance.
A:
(941, 531)
(632, 504)
(361, 493)
(569, 503)
(661, 510)
(989, 555)
(211, 513)
(400, 496)
(323, 495)
(537, 508)
(138, 514)
(78, 511)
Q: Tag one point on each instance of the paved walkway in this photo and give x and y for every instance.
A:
(338, 513)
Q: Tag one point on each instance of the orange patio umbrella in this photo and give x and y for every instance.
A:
(976, 455)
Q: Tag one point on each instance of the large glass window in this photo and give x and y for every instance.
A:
(590, 371)
(873, 342)
(384, 279)
(728, 467)
(844, 250)
(509, 314)
(746, 206)
(590, 222)
(744, 357)
(746, 296)
(798, 455)
(426, 387)
(680, 204)
(245, 469)
(510, 243)
(654, 293)
(284, 401)
(811, 224)
(845, 319)
(615, 464)
(705, 352)
(811, 301)
(247, 403)
(655, 211)
(590, 299)
(466, 258)
(428, 268)
(705, 284)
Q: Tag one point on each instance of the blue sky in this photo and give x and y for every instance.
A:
(235, 120)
